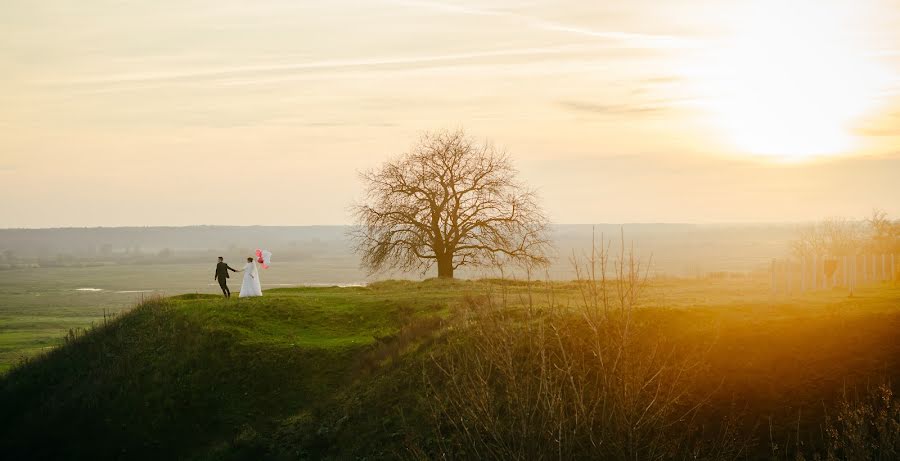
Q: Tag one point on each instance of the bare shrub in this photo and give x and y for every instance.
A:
(865, 429)
(831, 236)
(884, 234)
(845, 237)
(585, 381)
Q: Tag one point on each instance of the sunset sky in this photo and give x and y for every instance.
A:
(237, 112)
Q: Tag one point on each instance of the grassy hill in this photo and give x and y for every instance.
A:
(346, 373)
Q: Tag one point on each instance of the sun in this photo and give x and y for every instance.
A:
(792, 78)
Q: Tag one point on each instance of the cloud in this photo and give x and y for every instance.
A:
(612, 109)
(450, 8)
(622, 38)
(339, 124)
(248, 74)
(277, 69)
(879, 132)
(626, 39)
(888, 125)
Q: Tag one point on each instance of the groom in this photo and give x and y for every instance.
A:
(222, 276)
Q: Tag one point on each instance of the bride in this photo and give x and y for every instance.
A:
(251, 286)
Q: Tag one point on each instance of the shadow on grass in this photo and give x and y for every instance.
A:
(154, 384)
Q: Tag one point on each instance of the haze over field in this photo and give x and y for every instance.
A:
(225, 112)
(324, 254)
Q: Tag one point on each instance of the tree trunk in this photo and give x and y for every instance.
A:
(445, 267)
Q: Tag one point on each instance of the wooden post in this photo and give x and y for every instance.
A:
(802, 273)
(834, 275)
(815, 267)
(774, 290)
(844, 270)
(865, 269)
(874, 268)
(788, 286)
(883, 267)
(893, 271)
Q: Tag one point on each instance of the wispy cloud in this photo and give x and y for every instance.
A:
(279, 68)
(623, 38)
(224, 73)
(450, 8)
(612, 109)
(627, 39)
(888, 125)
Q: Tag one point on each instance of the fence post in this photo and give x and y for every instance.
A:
(802, 273)
(815, 266)
(865, 269)
(789, 287)
(874, 268)
(893, 271)
(844, 269)
(883, 267)
(834, 275)
(774, 289)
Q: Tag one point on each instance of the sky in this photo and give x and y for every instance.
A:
(262, 113)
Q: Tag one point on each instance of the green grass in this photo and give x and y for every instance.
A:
(331, 372)
(200, 364)
(39, 306)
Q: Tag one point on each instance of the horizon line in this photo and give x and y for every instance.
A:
(627, 223)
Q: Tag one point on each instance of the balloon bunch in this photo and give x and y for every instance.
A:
(263, 257)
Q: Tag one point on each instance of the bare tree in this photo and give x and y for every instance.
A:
(449, 202)
(831, 236)
(883, 232)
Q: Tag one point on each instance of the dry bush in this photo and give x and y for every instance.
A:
(865, 429)
(832, 236)
(590, 381)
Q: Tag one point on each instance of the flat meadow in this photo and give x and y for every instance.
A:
(38, 306)
(729, 369)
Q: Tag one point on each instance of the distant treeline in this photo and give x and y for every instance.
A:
(673, 249)
(151, 245)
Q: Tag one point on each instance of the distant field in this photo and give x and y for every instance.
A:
(38, 306)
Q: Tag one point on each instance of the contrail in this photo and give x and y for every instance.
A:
(628, 39)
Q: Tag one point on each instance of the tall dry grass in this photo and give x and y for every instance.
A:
(533, 379)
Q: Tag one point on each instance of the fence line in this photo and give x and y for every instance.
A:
(815, 272)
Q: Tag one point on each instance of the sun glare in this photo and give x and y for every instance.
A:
(791, 80)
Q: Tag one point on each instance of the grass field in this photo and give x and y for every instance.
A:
(39, 306)
(336, 373)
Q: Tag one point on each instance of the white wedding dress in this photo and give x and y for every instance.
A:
(251, 286)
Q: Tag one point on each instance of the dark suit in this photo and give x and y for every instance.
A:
(222, 276)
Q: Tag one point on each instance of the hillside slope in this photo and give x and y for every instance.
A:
(190, 375)
(315, 373)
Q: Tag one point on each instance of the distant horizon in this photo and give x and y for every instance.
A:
(125, 113)
(635, 223)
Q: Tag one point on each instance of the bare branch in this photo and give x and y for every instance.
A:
(450, 201)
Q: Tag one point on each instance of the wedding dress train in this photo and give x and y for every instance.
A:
(251, 286)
